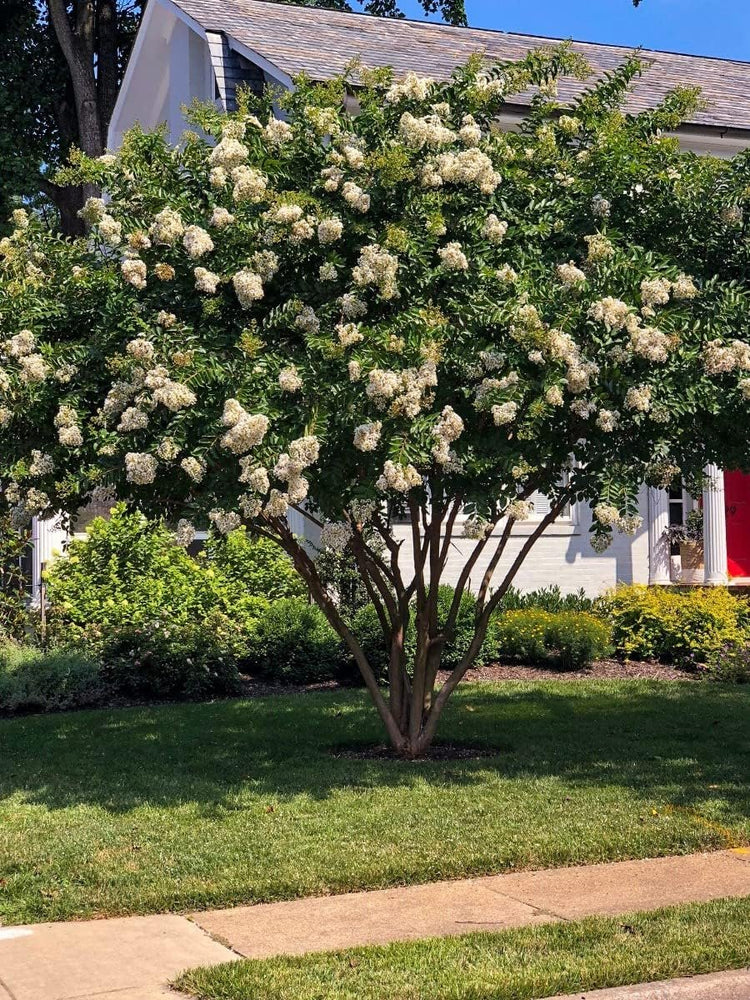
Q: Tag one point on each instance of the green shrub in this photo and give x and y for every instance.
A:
(35, 680)
(161, 660)
(293, 644)
(14, 612)
(547, 599)
(730, 663)
(571, 639)
(686, 627)
(252, 566)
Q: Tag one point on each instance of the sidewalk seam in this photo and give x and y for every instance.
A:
(532, 906)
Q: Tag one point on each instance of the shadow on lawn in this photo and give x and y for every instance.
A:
(669, 740)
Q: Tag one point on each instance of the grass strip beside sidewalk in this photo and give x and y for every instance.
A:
(519, 964)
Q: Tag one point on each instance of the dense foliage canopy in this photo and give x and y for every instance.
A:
(401, 312)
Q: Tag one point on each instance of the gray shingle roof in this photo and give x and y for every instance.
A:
(322, 42)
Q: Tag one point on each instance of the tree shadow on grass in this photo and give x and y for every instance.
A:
(681, 742)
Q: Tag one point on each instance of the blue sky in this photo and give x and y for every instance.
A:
(705, 27)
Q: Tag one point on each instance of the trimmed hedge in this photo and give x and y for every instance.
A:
(36, 680)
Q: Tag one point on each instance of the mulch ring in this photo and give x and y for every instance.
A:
(602, 669)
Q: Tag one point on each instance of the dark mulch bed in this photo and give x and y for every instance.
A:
(605, 669)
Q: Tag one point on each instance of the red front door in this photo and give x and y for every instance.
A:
(737, 498)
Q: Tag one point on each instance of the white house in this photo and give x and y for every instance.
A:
(205, 49)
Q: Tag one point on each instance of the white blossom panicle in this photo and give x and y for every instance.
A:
(684, 287)
(494, 229)
(110, 230)
(20, 218)
(132, 419)
(330, 230)
(197, 242)
(41, 464)
(164, 272)
(349, 334)
(228, 154)
(599, 248)
(427, 131)
(168, 449)
(307, 320)
(610, 311)
(134, 272)
(218, 178)
(354, 196)
(352, 307)
(354, 369)
(304, 451)
(332, 178)
(354, 157)
(397, 477)
(249, 185)
(470, 167)
(476, 528)
(166, 319)
(277, 505)
(278, 132)
(453, 257)
(251, 506)
(554, 396)
(600, 207)
(519, 510)
(254, 476)
(638, 398)
(289, 380)
(22, 344)
(221, 218)
(448, 429)
(470, 132)
(245, 433)
(140, 468)
(506, 275)
(167, 227)
(719, 358)
(174, 396)
(655, 291)
(6, 415)
(650, 343)
(504, 413)
(328, 272)
(33, 368)
(367, 436)
(138, 240)
(224, 521)
(570, 275)
(335, 535)
(93, 211)
(411, 88)
(140, 349)
(184, 533)
(607, 514)
(377, 267)
(248, 286)
(194, 468)
(607, 420)
(265, 263)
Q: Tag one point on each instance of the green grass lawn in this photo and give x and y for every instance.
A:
(189, 806)
(511, 965)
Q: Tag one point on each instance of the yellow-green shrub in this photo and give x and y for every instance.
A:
(571, 639)
(657, 623)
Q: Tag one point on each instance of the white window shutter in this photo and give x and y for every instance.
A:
(542, 505)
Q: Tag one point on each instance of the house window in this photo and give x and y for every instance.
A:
(677, 513)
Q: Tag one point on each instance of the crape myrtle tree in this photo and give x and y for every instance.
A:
(403, 313)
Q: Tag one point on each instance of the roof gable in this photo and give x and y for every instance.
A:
(322, 42)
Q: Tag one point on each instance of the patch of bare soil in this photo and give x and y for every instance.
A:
(603, 669)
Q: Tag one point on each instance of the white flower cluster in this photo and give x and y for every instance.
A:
(599, 248)
(405, 391)
(249, 185)
(254, 476)
(167, 227)
(206, 281)
(245, 430)
(477, 528)
(335, 535)
(504, 413)
(224, 521)
(352, 306)
(612, 312)
(608, 420)
(134, 272)
(448, 429)
(684, 287)
(41, 464)
(228, 154)
(140, 468)
(277, 132)
(453, 257)
(377, 267)
(248, 286)
(428, 131)
(570, 275)
(33, 368)
(168, 449)
(600, 207)
(141, 349)
(330, 230)
(655, 291)
(289, 380)
(302, 453)
(354, 196)
(197, 242)
(174, 396)
(367, 436)
(307, 320)
(194, 468)
(110, 230)
(184, 533)
(132, 419)
(221, 218)
(638, 398)
(519, 510)
(650, 343)
(719, 358)
(470, 132)
(411, 88)
(349, 334)
(400, 478)
(494, 229)
(93, 211)
(68, 431)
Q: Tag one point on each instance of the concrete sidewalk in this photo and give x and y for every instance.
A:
(133, 958)
(716, 986)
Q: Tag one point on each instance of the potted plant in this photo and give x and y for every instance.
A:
(689, 536)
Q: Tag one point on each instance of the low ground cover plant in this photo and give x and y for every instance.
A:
(37, 680)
